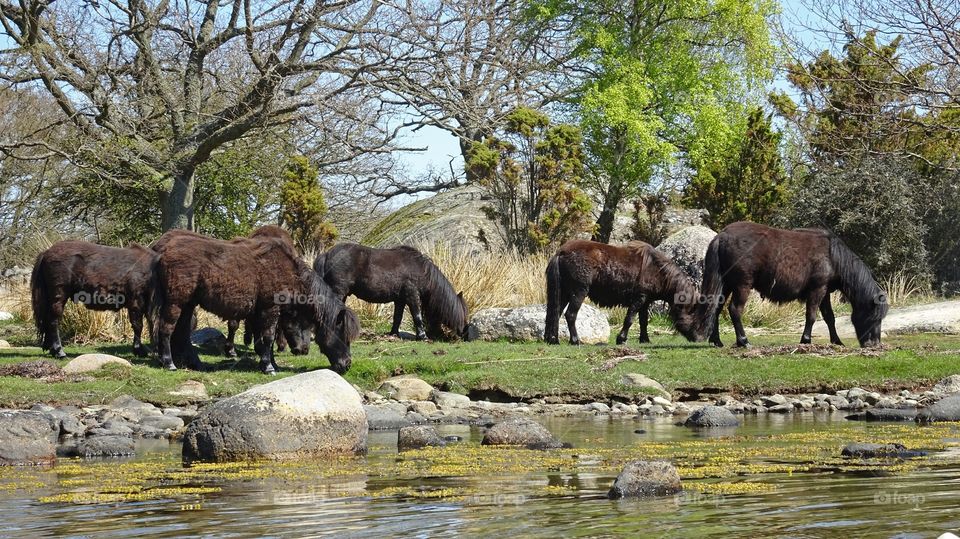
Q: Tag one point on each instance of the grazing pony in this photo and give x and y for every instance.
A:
(100, 277)
(632, 275)
(402, 275)
(252, 279)
(787, 265)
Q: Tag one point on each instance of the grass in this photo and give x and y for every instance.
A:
(523, 370)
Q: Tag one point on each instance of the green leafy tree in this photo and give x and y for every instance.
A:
(749, 185)
(669, 80)
(303, 208)
(533, 171)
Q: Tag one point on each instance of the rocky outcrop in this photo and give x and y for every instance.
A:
(521, 431)
(947, 386)
(688, 248)
(92, 362)
(27, 438)
(454, 218)
(712, 416)
(946, 409)
(418, 436)
(642, 478)
(527, 324)
(405, 388)
(308, 415)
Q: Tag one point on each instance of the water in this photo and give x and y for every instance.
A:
(382, 495)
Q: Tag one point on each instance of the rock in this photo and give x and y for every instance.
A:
(891, 414)
(447, 400)
(712, 416)
(869, 451)
(92, 362)
(946, 409)
(599, 407)
(132, 409)
(308, 415)
(386, 416)
(162, 422)
(947, 535)
(111, 427)
(661, 401)
(414, 418)
(688, 248)
(405, 388)
(424, 408)
(947, 386)
(642, 478)
(773, 400)
(455, 218)
(840, 402)
(4, 344)
(105, 446)
(68, 422)
(520, 431)
(638, 380)
(191, 390)
(27, 438)
(4, 316)
(527, 324)
(418, 436)
(856, 393)
(210, 340)
(784, 408)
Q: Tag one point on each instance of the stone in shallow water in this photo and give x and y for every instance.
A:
(947, 409)
(27, 437)
(891, 414)
(405, 388)
(712, 416)
(868, 451)
(313, 414)
(417, 436)
(105, 446)
(642, 478)
(521, 431)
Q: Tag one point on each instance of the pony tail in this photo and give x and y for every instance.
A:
(552, 324)
(712, 287)
(157, 298)
(39, 301)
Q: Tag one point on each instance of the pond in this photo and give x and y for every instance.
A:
(775, 476)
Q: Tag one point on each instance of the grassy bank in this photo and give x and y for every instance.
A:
(528, 370)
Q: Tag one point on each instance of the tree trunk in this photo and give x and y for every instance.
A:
(178, 204)
(611, 201)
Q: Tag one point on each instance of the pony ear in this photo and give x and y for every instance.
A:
(460, 294)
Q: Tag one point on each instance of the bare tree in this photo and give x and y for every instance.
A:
(152, 88)
(468, 63)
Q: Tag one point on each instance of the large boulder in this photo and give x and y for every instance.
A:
(521, 431)
(947, 386)
(527, 324)
(210, 340)
(405, 388)
(712, 416)
(312, 414)
(688, 248)
(455, 218)
(105, 446)
(92, 362)
(642, 478)
(946, 409)
(891, 414)
(27, 437)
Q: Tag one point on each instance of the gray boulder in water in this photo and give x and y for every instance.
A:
(527, 324)
(521, 431)
(308, 415)
(946, 409)
(642, 478)
(418, 436)
(688, 248)
(27, 437)
(712, 416)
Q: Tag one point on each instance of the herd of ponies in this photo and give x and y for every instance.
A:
(264, 282)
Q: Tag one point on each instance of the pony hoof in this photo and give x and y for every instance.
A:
(231, 354)
(551, 340)
(268, 370)
(170, 367)
(59, 354)
(621, 340)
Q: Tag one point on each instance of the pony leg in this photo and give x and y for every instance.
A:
(813, 302)
(576, 300)
(644, 316)
(715, 334)
(267, 324)
(169, 316)
(627, 322)
(230, 349)
(183, 348)
(53, 329)
(417, 315)
(826, 310)
(737, 303)
(281, 340)
(398, 307)
(136, 322)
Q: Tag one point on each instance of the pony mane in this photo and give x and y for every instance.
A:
(674, 279)
(440, 300)
(857, 281)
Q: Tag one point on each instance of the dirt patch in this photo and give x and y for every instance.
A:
(822, 350)
(41, 370)
(616, 356)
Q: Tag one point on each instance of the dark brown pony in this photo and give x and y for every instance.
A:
(402, 275)
(252, 279)
(632, 275)
(787, 265)
(100, 277)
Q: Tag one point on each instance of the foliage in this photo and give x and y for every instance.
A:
(533, 171)
(670, 82)
(648, 219)
(303, 209)
(747, 185)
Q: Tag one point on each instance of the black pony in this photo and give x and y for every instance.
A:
(402, 275)
(787, 265)
(100, 277)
